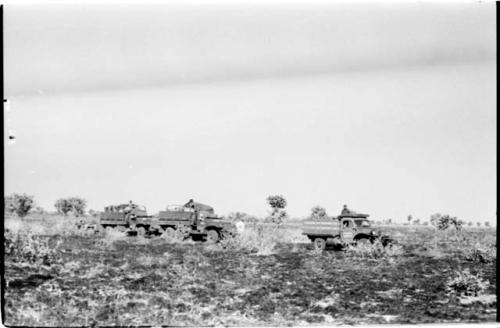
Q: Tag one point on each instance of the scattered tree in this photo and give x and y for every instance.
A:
(486, 223)
(456, 223)
(20, 204)
(318, 213)
(443, 222)
(478, 224)
(74, 205)
(409, 218)
(278, 204)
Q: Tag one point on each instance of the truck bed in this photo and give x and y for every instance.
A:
(321, 228)
(175, 217)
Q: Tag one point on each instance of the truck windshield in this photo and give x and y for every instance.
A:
(362, 223)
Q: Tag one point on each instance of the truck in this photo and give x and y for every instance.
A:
(125, 217)
(347, 228)
(195, 220)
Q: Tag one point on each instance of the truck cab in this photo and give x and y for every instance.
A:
(347, 228)
(354, 228)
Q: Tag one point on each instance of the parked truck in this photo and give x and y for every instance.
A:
(347, 228)
(124, 217)
(194, 219)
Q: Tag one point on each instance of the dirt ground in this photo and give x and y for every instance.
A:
(137, 281)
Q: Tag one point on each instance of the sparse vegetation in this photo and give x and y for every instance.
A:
(318, 213)
(466, 284)
(278, 213)
(57, 275)
(73, 205)
(243, 217)
(374, 251)
(19, 204)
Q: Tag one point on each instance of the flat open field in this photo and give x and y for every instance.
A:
(78, 278)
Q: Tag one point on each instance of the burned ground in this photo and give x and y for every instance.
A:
(91, 280)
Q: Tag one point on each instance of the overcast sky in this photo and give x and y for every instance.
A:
(388, 108)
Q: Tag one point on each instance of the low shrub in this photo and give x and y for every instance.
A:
(318, 213)
(74, 205)
(260, 239)
(28, 248)
(480, 253)
(110, 236)
(20, 204)
(466, 284)
(374, 251)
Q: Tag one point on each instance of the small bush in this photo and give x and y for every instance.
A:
(181, 234)
(480, 253)
(374, 251)
(278, 213)
(466, 284)
(20, 204)
(443, 222)
(318, 213)
(75, 205)
(277, 217)
(25, 247)
(259, 239)
(111, 236)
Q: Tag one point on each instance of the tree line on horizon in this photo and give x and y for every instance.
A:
(23, 204)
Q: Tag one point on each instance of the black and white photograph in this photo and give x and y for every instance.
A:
(249, 163)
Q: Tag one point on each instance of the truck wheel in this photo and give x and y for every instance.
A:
(109, 229)
(212, 236)
(121, 228)
(169, 233)
(363, 241)
(141, 231)
(387, 242)
(319, 244)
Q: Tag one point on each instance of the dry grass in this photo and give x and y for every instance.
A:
(58, 275)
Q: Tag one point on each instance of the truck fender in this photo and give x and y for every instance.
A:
(364, 236)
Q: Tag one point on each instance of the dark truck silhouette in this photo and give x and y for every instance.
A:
(194, 220)
(347, 228)
(189, 220)
(125, 216)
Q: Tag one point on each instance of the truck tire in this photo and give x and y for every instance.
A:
(212, 236)
(363, 241)
(169, 233)
(319, 244)
(141, 231)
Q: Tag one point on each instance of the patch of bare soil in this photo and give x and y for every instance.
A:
(159, 283)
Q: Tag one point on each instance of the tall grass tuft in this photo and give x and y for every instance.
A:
(466, 284)
(374, 251)
(260, 239)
